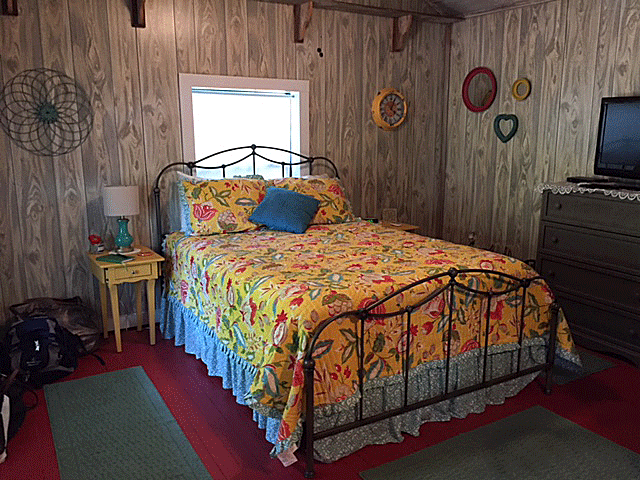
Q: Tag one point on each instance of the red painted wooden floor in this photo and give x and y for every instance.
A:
(232, 447)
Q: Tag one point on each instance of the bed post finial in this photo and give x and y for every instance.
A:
(156, 197)
(453, 273)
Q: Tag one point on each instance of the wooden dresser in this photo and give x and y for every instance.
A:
(589, 252)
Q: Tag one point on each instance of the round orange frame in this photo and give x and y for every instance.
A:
(514, 89)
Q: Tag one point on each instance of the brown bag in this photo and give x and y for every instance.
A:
(70, 313)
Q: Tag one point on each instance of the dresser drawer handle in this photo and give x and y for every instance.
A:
(551, 274)
(554, 240)
(133, 272)
(558, 206)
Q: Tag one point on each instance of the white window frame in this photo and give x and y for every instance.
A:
(188, 81)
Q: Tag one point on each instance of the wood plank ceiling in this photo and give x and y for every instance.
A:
(472, 8)
(403, 13)
(439, 11)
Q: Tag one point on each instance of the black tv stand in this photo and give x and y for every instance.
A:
(587, 179)
(611, 186)
(610, 183)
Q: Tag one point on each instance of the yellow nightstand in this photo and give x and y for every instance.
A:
(401, 226)
(144, 266)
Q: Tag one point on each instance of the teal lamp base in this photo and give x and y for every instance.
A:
(124, 238)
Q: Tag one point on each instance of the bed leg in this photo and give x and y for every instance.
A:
(309, 368)
(551, 353)
(309, 472)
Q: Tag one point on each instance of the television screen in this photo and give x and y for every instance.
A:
(618, 147)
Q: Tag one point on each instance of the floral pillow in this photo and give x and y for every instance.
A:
(220, 206)
(334, 206)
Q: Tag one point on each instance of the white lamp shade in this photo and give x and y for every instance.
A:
(121, 201)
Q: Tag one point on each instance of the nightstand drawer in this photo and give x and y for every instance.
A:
(619, 292)
(129, 272)
(596, 211)
(589, 245)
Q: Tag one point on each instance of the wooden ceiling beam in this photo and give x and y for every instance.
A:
(301, 20)
(10, 7)
(342, 6)
(137, 14)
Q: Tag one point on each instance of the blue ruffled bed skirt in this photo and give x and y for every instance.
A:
(179, 323)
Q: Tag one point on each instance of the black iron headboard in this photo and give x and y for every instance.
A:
(244, 153)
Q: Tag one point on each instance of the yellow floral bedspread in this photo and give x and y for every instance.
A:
(263, 293)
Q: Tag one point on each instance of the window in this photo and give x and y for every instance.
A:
(225, 112)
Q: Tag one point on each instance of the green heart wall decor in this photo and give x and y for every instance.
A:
(514, 126)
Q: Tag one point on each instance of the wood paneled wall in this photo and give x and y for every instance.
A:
(48, 206)
(444, 169)
(574, 52)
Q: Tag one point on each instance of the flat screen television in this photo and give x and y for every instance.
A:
(618, 147)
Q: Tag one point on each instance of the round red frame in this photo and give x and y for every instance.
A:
(465, 89)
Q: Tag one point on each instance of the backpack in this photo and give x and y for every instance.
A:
(40, 349)
(71, 313)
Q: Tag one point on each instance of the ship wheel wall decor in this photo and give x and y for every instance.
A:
(45, 112)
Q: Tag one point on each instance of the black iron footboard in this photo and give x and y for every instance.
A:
(512, 285)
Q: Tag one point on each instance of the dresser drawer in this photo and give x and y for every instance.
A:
(616, 291)
(610, 326)
(591, 246)
(596, 211)
(129, 272)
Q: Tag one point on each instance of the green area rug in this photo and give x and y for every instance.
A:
(532, 445)
(116, 426)
(590, 364)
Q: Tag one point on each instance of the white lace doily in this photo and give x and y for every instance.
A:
(564, 188)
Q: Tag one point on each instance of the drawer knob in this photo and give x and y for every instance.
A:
(554, 239)
(551, 274)
(133, 272)
(558, 206)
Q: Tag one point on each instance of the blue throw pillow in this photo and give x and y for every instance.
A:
(285, 210)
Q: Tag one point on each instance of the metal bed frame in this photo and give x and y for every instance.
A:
(454, 282)
(513, 284)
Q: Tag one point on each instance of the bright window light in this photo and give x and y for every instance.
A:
(227, 112)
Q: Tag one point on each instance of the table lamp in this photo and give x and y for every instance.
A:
(118, 202)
